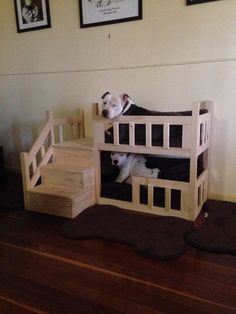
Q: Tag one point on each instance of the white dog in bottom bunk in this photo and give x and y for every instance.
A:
(132, 165)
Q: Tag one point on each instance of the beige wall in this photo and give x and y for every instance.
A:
(175, 55)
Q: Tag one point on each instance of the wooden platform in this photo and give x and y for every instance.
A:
(67, 185)
(41, 272)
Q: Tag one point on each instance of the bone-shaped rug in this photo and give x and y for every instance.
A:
(150, 236)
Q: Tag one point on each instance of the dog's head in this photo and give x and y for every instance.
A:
(118, 159)
(113, 106)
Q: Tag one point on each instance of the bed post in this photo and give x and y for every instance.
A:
(193, 195)
(98, 137)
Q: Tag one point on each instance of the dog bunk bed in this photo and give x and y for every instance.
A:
(175, 142)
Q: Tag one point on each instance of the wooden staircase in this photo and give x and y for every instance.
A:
(62, 181)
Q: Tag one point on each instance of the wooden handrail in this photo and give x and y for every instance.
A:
(39, 142)
(30, 159)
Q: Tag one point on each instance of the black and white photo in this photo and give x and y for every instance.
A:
(102, 12)
(32, 15)
(189, 2)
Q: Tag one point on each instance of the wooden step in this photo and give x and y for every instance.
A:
(80, 155)
(77, 144)
(68, 174)
(62, 201)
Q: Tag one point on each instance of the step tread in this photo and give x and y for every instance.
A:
(80, 143)
(66, 166)
(57, 190)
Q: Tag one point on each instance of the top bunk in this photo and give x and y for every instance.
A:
(181, 134)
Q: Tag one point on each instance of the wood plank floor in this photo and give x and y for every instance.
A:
(41, 272)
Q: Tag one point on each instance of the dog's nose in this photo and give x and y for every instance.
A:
(115, 162)
(105, 113)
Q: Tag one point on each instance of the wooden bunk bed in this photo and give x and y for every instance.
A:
(195, 141)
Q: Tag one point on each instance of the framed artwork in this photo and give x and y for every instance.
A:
(32, 15)
(189, 2)
(102, 12)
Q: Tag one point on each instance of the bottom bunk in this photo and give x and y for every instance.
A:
(171, 194)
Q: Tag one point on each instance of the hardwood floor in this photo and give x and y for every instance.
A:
(41, 272)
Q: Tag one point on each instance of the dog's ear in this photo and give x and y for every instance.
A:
(125, 97)
(106, 97)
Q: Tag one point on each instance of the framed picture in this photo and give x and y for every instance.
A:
(102, 12)
(189, 2)
(32, 15)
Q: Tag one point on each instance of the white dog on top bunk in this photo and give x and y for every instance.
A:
(114, 106)
(132, 165)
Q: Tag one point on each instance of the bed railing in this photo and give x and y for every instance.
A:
(41, 153)
(168, 186)
(186, 122)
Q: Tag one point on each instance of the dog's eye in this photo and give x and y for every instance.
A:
(112, 154)
(114, 105)
(122, 154)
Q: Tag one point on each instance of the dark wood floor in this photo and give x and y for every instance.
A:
(41, 272)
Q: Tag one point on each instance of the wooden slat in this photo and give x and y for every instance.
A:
(167, 199)
(150, 196)
(135, 191)
(42, 151)
(116, 133)
(34, 165)
(44, 161)
(131, 134)
(166, 136)
(178, 120)
(148, 130)
(40, 141)
(60, 129)
(173, 151)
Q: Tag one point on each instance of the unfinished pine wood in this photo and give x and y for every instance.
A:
(195, 140)
(66, 188)
(65, 201)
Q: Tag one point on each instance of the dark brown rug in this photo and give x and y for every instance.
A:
(150, 236)
(218, 233)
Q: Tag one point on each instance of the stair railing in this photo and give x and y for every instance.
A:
(41, 153)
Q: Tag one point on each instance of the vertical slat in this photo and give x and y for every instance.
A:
(202, 141)
(167, 199)
(81, 128)
(182, 201)
(186, 136)
(150, 196)
(49, 117)
(95, 110)
(206, 132)
(148, 135)
(116, 133)
(60, 133)
(166, 135)
(73, 130)
(135, 191)
(42, 151)
(203, 191)
(131, 134)
(34, 165)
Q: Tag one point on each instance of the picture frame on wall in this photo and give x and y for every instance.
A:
(190, 2)
(102, 12)
(32, 15)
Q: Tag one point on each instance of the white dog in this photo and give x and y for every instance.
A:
(132, 165)
(114, 106)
